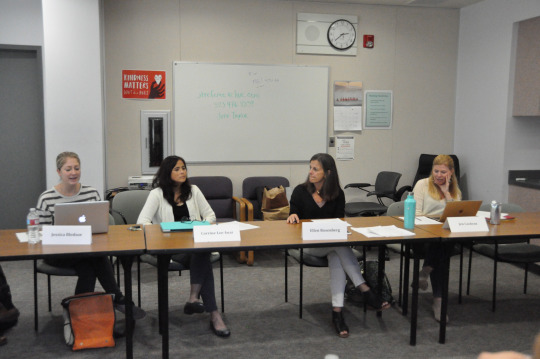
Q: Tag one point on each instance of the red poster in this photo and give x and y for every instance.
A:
(143, 84)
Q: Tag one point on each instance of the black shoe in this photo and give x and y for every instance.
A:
(138, 313)
(373, 301)
(8, 318)
(195, 307)
(339, 322)
(225, 333)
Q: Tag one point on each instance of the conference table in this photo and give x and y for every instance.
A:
(524, 225)
(119, 241)
(268, 235)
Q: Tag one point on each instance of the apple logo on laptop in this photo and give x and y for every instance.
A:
(82, 219)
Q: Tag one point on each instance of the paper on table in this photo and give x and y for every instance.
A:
(22, 237)
(242, 226)
(487, 214)
(384, 231)
(337, 220)
(423, 220)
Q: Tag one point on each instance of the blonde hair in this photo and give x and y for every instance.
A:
(62, 158)
(454, 190)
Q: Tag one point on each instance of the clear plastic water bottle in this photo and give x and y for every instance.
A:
(32, 225)
(409, 211)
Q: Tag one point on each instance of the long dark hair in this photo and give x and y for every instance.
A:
(331, 186)
(163, 180)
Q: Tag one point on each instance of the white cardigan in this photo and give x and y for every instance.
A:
(157, 209)
(425, 204)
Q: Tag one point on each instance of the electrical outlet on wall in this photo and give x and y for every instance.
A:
(332, 142)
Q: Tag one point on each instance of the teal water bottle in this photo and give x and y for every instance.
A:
(410, 211)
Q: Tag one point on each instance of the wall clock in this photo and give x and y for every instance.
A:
(341, 34)
(315, 34)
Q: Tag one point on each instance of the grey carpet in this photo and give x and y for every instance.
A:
(264, 326)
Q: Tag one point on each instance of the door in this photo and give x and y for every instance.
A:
(22, 134)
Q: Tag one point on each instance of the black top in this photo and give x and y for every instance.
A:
(303, 205)
(181, 213)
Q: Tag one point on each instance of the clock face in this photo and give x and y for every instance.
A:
(341, 34)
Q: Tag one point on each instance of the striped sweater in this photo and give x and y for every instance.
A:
(49, 198)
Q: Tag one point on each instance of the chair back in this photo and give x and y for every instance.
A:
(218, 191)
(250, 185)
(111, 220)
(505, 207)
(386, 183)
(129, 204)
(395, 209)
(425, 163)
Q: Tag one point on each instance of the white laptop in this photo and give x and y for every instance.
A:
(95, 214)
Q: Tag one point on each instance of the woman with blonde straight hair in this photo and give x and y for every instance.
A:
(431, 195)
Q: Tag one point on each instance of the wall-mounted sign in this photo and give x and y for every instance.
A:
(143, 84)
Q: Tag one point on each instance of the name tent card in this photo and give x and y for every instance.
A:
(324, 230)
(466, 224)
(217, 233)
(67, 235)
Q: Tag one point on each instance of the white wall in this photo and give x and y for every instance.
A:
(415, 55)
(21, 23)
(73, 87)
(486, 135)
(69, 31)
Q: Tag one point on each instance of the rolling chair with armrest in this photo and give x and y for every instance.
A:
(40, 266)
(385, 187)
(125, 207)
(505, 250)
(252, 188)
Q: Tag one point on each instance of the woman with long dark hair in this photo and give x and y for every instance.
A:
(321, 196)
(175, 199)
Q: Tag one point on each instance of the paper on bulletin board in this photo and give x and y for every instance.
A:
(378, 107)
(347, 118)
(345, 148)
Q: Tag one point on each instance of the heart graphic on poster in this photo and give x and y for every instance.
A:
(157, 78)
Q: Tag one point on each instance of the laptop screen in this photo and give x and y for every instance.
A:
(94, 214)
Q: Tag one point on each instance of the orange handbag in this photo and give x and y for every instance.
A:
(89, 320)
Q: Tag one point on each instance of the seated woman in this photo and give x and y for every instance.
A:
(431, 195)
(68, 166)
(173, 199)
(321, 196)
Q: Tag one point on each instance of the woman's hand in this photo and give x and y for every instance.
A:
(445, 188)
(293, 218)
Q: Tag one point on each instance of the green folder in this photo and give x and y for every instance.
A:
(181, 226)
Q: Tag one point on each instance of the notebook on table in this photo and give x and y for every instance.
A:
(459, 209)
(181, 226)
(94, 214)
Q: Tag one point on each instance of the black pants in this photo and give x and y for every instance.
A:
(434, 256)
(5, 293)
(88, 270)
(200, 272)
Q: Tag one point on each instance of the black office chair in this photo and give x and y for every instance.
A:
(218, 191)
(425, 164)
(252, 189)
(505, 250)
(385, 187)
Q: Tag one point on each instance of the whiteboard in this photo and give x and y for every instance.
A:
(249, 113)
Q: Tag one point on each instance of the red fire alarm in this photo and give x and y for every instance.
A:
(369, 41)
